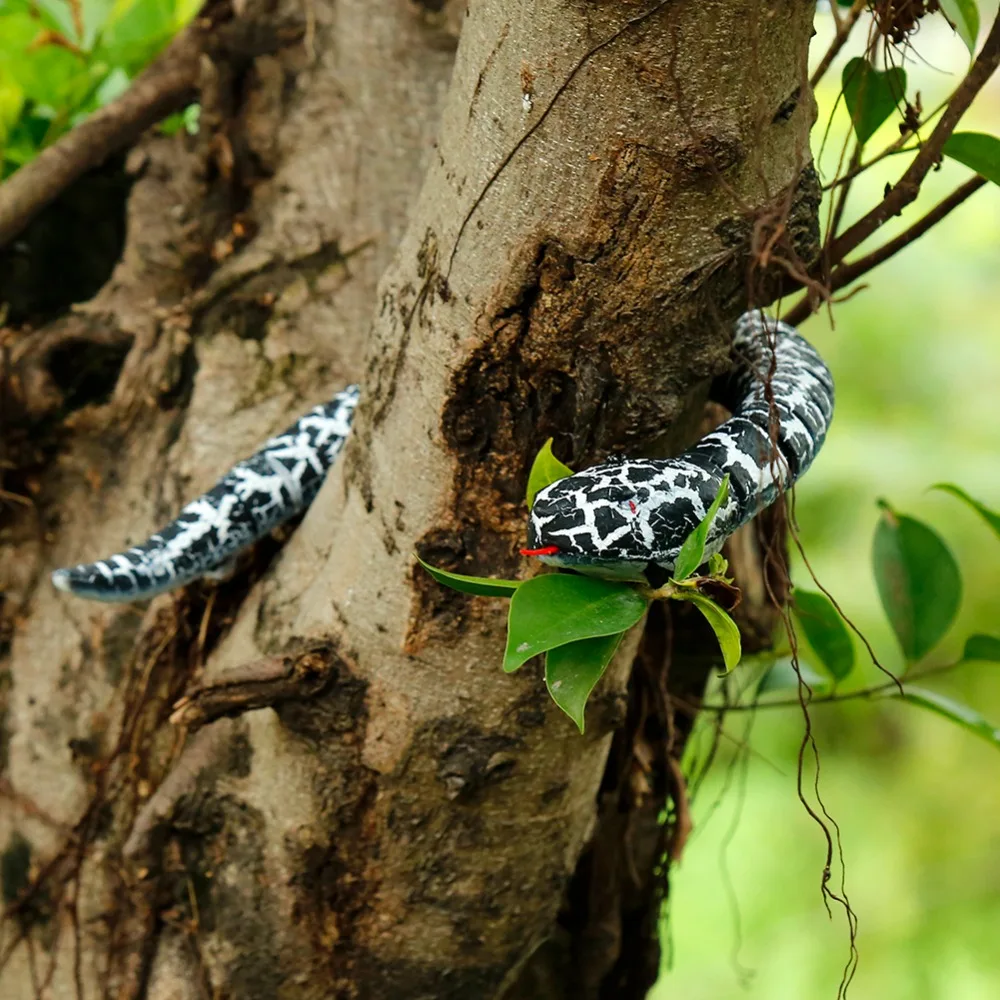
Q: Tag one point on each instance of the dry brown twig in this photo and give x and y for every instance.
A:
(835, 272)
(852, 270)
(260, 684)
(845, 25)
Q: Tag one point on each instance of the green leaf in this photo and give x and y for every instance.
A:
(871, 95)
(826, 632)
(552, 610)
(722, 625)
(11, 103)
(573, 670)
(918, 581)
(545, 470)
(50, 75)
(977, 150)
(483, 586)
(963, 15)
(718, 564)
(982, 647)
(991, 517)
(968, 718)
(692, 552)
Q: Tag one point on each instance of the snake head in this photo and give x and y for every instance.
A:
(619, 519)
(590, 522)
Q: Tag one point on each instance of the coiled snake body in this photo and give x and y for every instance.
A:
(617, 520)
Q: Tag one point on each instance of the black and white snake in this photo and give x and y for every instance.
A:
(617, 520)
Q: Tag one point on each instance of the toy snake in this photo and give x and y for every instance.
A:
(623, 518)
(617, 520)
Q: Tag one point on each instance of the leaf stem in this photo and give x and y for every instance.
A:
(836, 696)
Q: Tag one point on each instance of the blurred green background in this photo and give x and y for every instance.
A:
(916, 357)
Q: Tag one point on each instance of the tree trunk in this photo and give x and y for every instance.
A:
(564, 234)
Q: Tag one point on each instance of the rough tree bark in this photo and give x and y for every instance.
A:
(562, 216)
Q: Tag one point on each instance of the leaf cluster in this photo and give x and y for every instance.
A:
(60, 60)
(919, 585)
(577, 622)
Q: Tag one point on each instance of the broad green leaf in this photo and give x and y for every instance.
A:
(964, 18)
(692, 552)
(722, 625)
(483, 586)
(968, 718)
(545, 469)
(871, 95)
(135, 32)
(552, 610)
(572, 671)
(977, 150)
(982, 647)
(826, 632)
(51, 76)
(991, 517)
(918, 581)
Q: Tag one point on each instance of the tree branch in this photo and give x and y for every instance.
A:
(166, 86)
(261, 684)
(907, 187)
(851, 271)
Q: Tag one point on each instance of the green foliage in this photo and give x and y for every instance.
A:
(692, 552)
(826, 632)
(991, 517)
(963, 15)
(968, 718)
(482, 586)
(572, 671)
(60, 61)
(918, 581)
(977, 150)
(982, 647)
(871, 95)
(723, 626)
(545, 470)
(578, 621)
(555, 609)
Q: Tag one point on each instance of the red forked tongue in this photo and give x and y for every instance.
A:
(549, 550)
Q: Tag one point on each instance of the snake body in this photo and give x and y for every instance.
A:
(621, 519)
(616, 520)
(274, 484)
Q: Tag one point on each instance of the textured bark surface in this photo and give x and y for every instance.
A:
(560, 238)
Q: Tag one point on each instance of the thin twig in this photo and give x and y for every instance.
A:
(845, 25)
(893, 149)
(851, 271)
(166, 86)
(897, 689)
